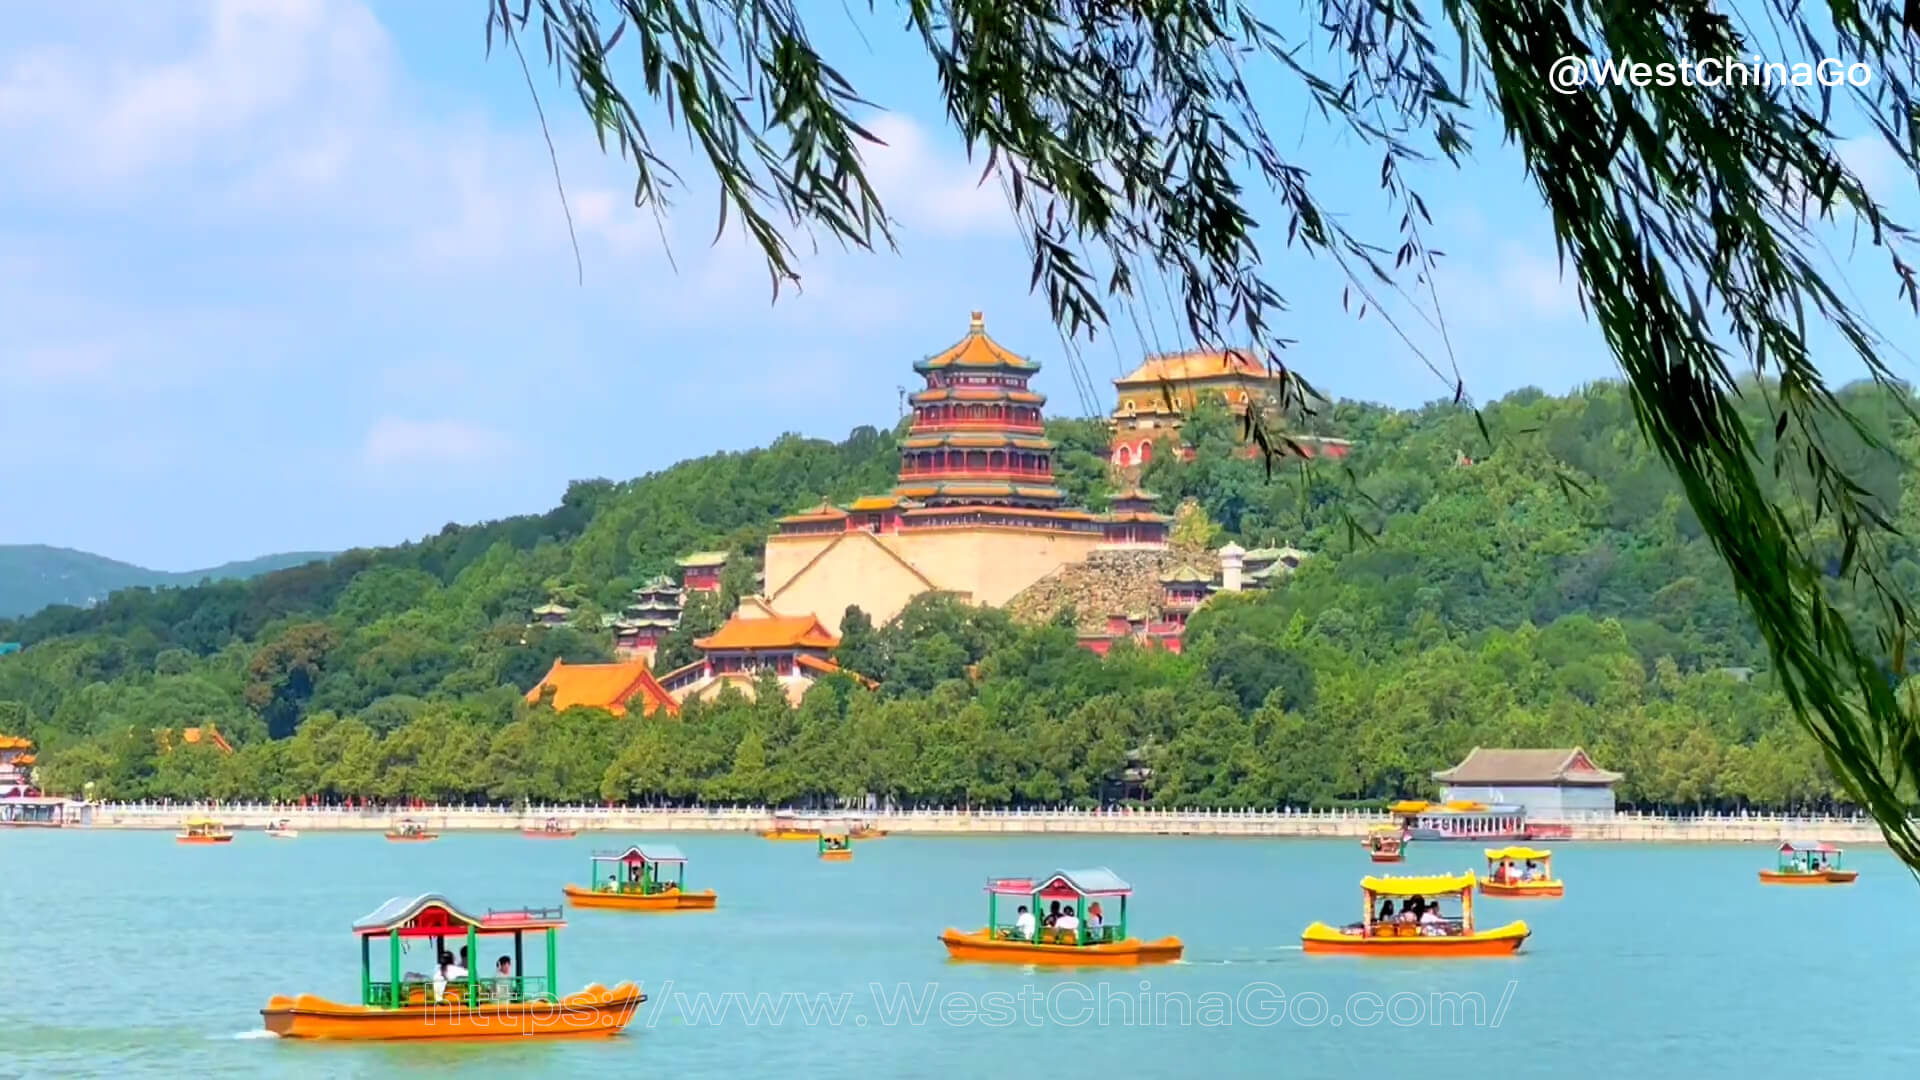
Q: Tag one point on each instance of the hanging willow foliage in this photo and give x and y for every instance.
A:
(1692, 216)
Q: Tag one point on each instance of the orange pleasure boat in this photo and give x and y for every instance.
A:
(1087, 939)
(787, 827)
(408, 830)
(1531, 882)
(204, 831)
(450, 1002)
(865, 831)
(1382, 934)
(834, 845)
(632, 880)
(1808, 864)
(1385, 844)
(552, 830)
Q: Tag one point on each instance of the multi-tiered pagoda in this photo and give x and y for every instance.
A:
(653, 614)
(975, 511)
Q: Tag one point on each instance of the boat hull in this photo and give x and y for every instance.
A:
(1388, 856)
(979, 945)
(1500, 941)
(416, 838)
(670, 901)
(790, 834)
(595, 1012)
(867, 834)
(1823, 877)
(185, 839)
(843, 855)
(549, 834)
(283, 834)
(1524, 890)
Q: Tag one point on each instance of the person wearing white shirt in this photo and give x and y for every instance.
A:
(446, 973)
(1067, 925)
(1431, 922)
(1023, 924)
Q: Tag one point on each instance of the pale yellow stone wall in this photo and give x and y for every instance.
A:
(981, 564)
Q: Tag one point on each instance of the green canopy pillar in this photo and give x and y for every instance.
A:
(473, 966)
(366, 970)
(553, 969)
(393, 954)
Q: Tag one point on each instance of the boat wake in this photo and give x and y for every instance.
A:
(256, 1033)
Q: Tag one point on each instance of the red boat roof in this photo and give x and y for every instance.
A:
(433, 915)
(1819, 849)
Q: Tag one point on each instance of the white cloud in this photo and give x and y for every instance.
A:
(396, 440)
(924, 188)
(1874, 162)
(1518, 286)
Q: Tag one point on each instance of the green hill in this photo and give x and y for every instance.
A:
(34, 576)
(1554, 590)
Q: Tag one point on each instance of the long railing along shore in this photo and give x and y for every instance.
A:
(1626, 826)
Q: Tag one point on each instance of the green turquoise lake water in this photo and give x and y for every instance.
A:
(134, 956)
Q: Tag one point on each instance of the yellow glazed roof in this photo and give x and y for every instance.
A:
(1518, 853)
(977, 350)
(1430, 885)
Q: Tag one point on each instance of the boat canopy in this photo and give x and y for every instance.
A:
(1430, 885)
(1518, 853)
(1409, 806)
(433, 915)
(1818, 849)
(1064, 885)
(652, 853)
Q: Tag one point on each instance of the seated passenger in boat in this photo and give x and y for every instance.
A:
(503, 979)
(1093, 918)
(1386, 911)
(1430, 921)
(1066, 928)
(1530, 873)
(1023, 924)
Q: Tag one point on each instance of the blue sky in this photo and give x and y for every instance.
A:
(291, 274)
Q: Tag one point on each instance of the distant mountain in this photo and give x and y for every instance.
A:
(33, 576)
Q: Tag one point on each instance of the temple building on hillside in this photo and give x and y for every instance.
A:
(1132, 521)
(797, 649)
(975, 512)
(652, 615)
(700, 571)
(551, 614)
(16, 766)
(1152, 398)
(619, 688)
(1138, 627)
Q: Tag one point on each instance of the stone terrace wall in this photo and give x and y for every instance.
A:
(1107, 581)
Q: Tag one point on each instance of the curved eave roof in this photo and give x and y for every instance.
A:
(1518, 853)
(976, 394)
(1429, 885)
(652, 853)
(977, 440)
(400, 909)
(976, 352)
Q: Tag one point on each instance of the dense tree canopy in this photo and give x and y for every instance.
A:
(1479, 604)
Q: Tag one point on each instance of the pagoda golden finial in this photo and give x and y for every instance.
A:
(979, 324)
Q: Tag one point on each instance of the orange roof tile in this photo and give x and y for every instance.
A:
(828, 667)
(874, 502)
(976, 350)
(774, 632)
(604, 686)
(1197, 365)
(15, 742)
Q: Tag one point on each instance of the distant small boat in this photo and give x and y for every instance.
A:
(1385, 844)
(1810, 864)
(204, 831)
(1081, 892)
(865, 831)
(787, 828)
(634, 881)
(834, 846)
(407, 830)
(1502, 881)
(282, 830)
(552, 830)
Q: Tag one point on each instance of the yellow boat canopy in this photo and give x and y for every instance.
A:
(1409, 806)
(1430, 885)
(1518, 853)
